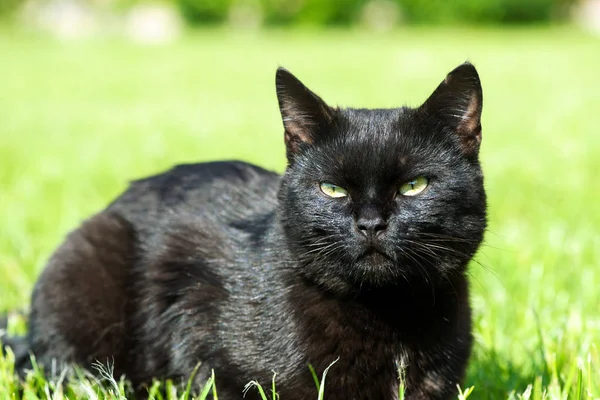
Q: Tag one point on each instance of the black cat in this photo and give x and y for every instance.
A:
(358, 253)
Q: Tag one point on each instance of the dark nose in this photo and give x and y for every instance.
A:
(371, 223)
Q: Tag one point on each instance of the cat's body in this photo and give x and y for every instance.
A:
(248, 273)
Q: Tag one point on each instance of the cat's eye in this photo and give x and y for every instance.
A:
(414, 187)
(332, 190)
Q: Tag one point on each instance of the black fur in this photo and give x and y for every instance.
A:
(248, 272)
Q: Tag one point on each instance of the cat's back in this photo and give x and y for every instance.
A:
(226, 191)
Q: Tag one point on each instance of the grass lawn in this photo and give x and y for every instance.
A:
(80, 119)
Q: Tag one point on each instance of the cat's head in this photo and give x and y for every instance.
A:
(375, 197)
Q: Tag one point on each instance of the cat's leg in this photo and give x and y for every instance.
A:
(78, 307)
(435, 373)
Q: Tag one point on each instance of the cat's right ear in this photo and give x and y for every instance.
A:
(305, 115)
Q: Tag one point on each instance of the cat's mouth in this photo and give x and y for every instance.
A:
(374, 255)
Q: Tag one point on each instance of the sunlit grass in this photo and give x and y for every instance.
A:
(80, 119)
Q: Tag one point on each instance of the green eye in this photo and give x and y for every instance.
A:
(414, 187)
(332, 190)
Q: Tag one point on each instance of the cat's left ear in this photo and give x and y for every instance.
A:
(305, 115)
(458, 102)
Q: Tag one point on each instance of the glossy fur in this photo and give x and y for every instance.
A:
(248, 272)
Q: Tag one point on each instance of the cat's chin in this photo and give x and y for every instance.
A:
(377, 268)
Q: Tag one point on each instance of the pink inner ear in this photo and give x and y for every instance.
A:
(469, 123)
(297, 132)
(297, 125)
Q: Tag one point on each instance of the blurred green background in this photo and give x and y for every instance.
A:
(96, 93)
(341, 12)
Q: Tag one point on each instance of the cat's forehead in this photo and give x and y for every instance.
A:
(380, 144)
(371, 121)
(380, 137)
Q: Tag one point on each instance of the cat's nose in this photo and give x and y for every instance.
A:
(371, 223)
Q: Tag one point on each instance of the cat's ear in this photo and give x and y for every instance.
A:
(305, 116)
(457, 103)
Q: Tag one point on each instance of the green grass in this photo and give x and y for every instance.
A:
(80, 119)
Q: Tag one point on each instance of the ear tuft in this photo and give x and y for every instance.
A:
(305, 115)
(457, 103)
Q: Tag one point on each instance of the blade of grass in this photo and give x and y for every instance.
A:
(322, 387)
(527, 393)
(579, 390)
(274, 394)
(402, 380)
(464, 395)
(537, 389)
(214, 385)
(210, 383)
(315, 377)
(154, 391)
(542, 345)
(188, 388)
(170, 390)
(258, 387)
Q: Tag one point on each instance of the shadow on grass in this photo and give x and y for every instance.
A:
(495, 377)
